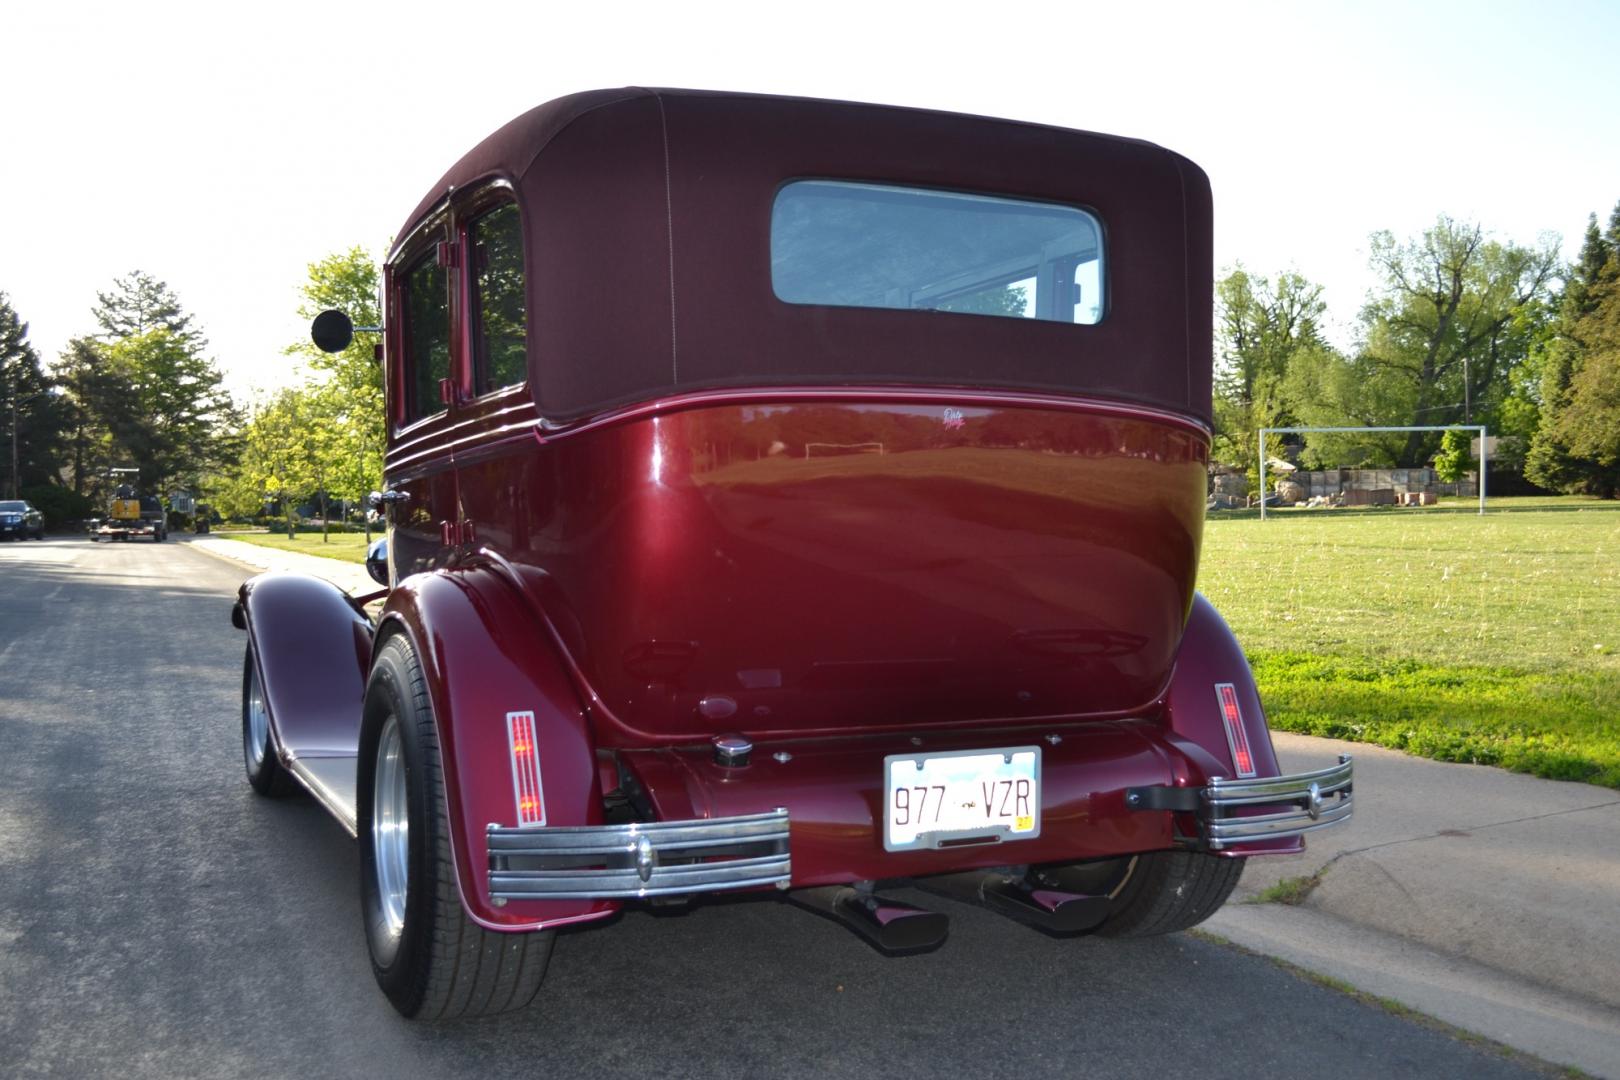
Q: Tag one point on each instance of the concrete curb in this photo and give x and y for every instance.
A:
(1548, 1023)
(1483, 898)
(349, 577)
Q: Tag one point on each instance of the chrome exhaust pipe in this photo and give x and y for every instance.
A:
(1035, 898)
(892, 926)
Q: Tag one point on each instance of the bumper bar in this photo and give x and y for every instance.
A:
(1220, 806)
(623, 862)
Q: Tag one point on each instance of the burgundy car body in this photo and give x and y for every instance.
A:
(640, 545)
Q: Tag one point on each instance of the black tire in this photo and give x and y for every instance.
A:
(439, 964)
(1167, 891)
(264, 772)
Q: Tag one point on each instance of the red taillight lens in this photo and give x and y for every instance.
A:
(531, 802)
(1236, 737)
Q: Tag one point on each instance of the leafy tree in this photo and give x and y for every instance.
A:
(31, 415)
(95, 396)
(1587, 422)
(143, 394)
(1454, 458)
(1261, 329)
(1568, 451)
(170, 424)
(347, 390)
(277, 458)
(139, 303)
(1456, 314)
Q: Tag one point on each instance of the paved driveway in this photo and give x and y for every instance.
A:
(156, 919)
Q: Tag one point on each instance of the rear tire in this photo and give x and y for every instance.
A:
(264, 772)
(430, 959)
(1167, 891)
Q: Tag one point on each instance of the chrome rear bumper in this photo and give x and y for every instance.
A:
(1307, 792)
(1222, 809)
(655, 858)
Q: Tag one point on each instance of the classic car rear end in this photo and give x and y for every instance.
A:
(786, 496)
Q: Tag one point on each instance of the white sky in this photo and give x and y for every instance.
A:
(222, 147)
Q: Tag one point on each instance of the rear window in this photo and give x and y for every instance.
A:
(876, 246)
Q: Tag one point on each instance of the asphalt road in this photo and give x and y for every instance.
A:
(158, 919)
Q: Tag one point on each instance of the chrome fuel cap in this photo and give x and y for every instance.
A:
(731, 751)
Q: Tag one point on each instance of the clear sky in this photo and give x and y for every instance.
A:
(224, 147)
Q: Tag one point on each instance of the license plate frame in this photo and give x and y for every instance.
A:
(957, 771)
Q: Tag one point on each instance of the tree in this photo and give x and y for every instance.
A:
(143, 394)
(277, 458)
(347, 394)
(31, 416)
(139, 303)
(1579, 332)
(1454, 458)
(172, 423)
(1455, 316)
(1261, 329)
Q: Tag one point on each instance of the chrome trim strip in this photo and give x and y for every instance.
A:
(655, 858)
(1308, 792)
(1279, 788)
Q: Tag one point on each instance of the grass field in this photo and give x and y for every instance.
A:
(1493, 639)
(347, 547)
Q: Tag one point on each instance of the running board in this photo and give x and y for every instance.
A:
(332, 781)
(893, 926)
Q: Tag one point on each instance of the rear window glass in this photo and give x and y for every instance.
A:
(877, 246)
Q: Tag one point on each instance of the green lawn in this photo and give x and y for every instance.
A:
(1493, 639)
(347, 547)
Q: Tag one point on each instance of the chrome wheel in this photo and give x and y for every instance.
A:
(256, 732)
(390, 839)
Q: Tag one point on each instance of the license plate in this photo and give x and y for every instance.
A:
(938, 800)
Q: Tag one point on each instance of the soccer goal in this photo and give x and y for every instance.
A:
(1479, 428)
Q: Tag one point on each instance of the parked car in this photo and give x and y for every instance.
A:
(785, 497)
(19, 520)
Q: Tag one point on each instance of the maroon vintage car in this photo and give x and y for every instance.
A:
(790, 497)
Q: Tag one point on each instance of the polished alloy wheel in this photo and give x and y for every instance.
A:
(390, 838)
(256, 733)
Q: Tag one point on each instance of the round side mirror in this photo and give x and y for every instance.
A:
(332, 331)
(377, 561)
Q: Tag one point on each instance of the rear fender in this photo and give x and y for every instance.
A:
(486, 655)
(1210, 655)
(314, 648)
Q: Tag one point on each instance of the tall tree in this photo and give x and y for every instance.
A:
(139, 303)
(279, 457)
(1261, 328)
(172, 423)
(1454, 317)
(347, 401)
(144, 394)
(1582, 331)
(30, 415)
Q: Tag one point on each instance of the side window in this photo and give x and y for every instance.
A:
(425, 305)
(500, 356)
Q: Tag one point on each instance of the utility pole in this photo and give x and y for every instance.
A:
(14, 488)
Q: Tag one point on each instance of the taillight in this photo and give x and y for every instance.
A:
(531, 801)
(1236, 737)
